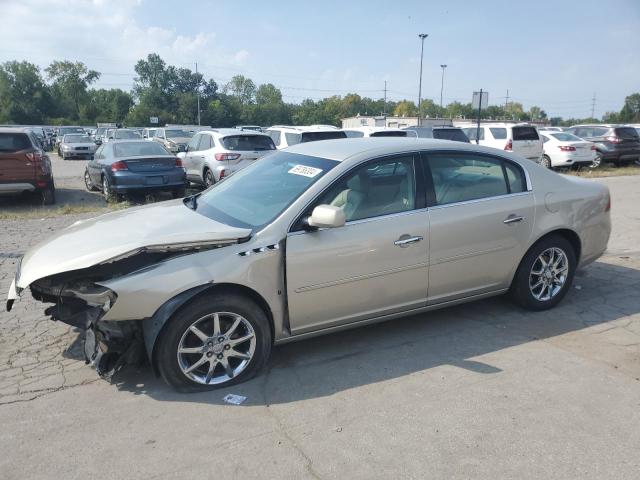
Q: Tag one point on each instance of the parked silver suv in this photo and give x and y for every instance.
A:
(213, 154)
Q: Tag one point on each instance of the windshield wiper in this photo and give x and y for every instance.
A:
(192, 201)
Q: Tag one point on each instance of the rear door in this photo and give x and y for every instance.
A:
(628, 142)
(15, 166)
(526, 142)
(481, 217)
(194, 158)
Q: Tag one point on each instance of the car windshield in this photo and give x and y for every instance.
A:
(138, 149)
(66, 130)
(100, 130)
(126, 134)
(566, 137)
(77, 139)
(257, 194)
(389, 133)
(248, 142)
(177, 133)
(315, 136)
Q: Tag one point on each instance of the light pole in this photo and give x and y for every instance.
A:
(442, 86)
(422, 37)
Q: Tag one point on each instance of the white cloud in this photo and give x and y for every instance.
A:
(102, 33)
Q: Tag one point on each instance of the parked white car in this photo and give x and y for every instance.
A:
(521, 139)
(564, 150)
(214, 154)
(284, 136)
(356, 132)
(550, 129)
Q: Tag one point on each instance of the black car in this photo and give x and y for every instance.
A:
(442, 133)
(618, 144)
(124, 166)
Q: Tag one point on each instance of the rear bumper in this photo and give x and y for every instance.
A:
(626, 155)
(567, 159)
(125, 181)
(16, 188)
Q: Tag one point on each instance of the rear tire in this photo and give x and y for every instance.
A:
(49, 195)
(597, 162)
(107, 191)
(537, 286)
(546, 162)
(209, 179)
(172, 364)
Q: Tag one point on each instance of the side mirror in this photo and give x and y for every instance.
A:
(327, 216)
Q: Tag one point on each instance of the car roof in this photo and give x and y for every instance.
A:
(343, 149)
(305, 128)
(13, 130)
(374, 129)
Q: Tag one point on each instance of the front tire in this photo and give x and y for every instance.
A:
(49, 195)
(597, 162)
(215, 341)
(88, 183)
(545, 274)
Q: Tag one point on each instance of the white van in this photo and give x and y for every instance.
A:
(356, 132)
(522, 138)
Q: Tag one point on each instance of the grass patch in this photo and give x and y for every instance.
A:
(606, 170)
(37, 213)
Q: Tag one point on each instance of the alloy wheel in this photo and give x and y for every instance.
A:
(208, 178)
(87, 181)
(216, 348)
(596, 161)
(546, 162)
(548, 274)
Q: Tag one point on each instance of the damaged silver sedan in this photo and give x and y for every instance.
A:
(309, 240)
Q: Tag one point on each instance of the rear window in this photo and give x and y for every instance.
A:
(499, 133)
(126, 134)
(525, 133)
(315, 136)
(391, 133)
(14, 142)
(77, 139)
(453, 134)
(67, 130)
(628, 133)
(248, 142)
(566, 137)
(138, 149)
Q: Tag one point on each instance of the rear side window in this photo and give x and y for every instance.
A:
(454, 134)
(627, 133)
(499, 133)
(459, 177)
(525, 133)
(473, 132)
(292, 138)
(14, 142)
(315, 136)
(205, 142)
(275, 136)
(387, 134)
(247, 142)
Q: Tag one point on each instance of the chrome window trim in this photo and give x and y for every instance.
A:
(366, 220)
(478, 200)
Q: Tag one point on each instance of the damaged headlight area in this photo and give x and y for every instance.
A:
(80, 301)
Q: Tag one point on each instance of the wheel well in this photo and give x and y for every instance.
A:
(217, 288)
(569, 235)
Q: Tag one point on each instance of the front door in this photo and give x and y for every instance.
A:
(376, 264)
(481, 223)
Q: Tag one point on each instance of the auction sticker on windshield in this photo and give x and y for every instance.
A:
(305, 171)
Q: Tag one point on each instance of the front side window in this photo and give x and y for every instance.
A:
(379, 188)
(461, 177)
(205, 142)
(275, 136)
(292, 138)
(498, 133)
(472, 133)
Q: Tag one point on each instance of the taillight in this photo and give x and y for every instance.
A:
(509, 146)
(567, 148)
(37, 158)
(179, 163)
(227, 156)
(613, 139)
(119, 166)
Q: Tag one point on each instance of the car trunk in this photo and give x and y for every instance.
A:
(526, 142)
(150, 164)
(15, 166)
(582, 150)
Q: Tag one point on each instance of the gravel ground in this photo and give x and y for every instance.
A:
(482, 390)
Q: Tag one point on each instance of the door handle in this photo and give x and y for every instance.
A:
(513, 219)
(406, 240)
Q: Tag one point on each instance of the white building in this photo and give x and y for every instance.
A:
(393, 122)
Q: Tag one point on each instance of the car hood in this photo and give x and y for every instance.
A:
(89, 242)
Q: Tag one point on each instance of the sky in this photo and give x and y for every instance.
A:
(554, 54)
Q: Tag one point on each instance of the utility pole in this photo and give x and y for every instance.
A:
(384, 110)
(479, 113)
(198, 94)
(593, 105)
(442, 86)
(422, 37)
(506, 100)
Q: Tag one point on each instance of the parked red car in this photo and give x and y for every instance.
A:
(24, 165)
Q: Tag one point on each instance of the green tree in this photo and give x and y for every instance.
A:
(24, 97)
(405, 108)
(242, 88)
(630, 112)
(70, 82)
